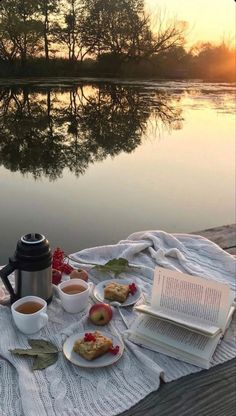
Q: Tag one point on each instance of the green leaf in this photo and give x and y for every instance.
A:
(116, 266)
(38, 346)
(44, 353)
(42, 345)
(21, 351)
(44, 360)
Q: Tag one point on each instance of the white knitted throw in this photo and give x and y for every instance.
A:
(64, 389)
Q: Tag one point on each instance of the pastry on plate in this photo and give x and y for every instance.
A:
(116, 291)
(93, 345)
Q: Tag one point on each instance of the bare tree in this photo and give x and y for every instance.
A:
(47, 8)
(166, 33)
(67, 32)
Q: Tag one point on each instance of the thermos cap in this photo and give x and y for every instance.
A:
(33, 252)
(33, 238)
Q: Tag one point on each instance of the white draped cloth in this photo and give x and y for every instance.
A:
(64, 389)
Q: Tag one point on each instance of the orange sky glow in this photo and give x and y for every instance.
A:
(208, 20)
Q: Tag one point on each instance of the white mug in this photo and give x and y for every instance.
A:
(29, 323)
(77, 302)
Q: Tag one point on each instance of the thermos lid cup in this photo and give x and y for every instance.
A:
(33, 238)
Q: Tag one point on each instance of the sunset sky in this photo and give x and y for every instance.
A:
(209, 20)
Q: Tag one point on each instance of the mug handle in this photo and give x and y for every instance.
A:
(91, 286)
(44, 320)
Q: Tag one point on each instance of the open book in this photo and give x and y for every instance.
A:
(187, 317)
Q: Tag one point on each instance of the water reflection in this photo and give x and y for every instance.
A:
(47, 129)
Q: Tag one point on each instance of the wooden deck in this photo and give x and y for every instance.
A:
(224, 236)
(208, 393)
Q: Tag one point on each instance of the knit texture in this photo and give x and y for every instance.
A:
(67, 390)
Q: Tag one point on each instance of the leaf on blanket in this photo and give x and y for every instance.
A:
(21, 351)
(116, 266)
(44, 353)
(42, 361)
(42, 345)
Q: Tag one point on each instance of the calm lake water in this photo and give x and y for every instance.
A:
(88, 162)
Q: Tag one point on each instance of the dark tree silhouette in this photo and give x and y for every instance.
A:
(47, 8)
(43, 131)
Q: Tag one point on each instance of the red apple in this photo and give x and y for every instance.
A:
(79, 274)
(56, 277)
(100, 313)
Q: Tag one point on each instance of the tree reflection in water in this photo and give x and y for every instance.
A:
(44, 130)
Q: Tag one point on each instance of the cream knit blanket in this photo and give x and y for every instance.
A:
(66, 390)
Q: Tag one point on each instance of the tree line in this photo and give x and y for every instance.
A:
(80, 27)
(76, 37)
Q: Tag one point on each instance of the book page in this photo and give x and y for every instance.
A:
(202, 327)
(191, 298)
(179, 339)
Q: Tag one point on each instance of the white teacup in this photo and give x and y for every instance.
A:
(74, 303)
(26, 322)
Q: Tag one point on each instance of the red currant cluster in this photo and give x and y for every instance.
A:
(57, 258)
(132, 288)
(88, 336)
(58, 262)
(114, 350)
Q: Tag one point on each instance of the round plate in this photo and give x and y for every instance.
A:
(98, 292)
(103, 361)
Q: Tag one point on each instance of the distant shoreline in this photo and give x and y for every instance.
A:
(70, 80)
(145, 71)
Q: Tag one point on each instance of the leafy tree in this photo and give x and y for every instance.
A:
(116, 27)
(123, 29)
(8, 49)
(21, 28)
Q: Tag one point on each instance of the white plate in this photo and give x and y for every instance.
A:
(98, 291)
(103, 361)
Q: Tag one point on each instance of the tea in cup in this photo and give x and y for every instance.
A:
(29, 314)
(74, 294)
